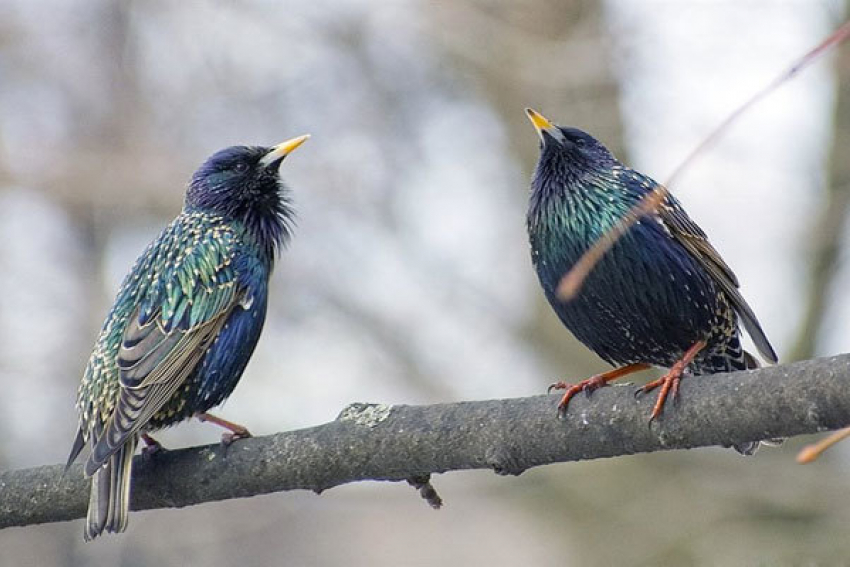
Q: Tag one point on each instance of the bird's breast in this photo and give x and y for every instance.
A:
(227, 357)
(645, 299)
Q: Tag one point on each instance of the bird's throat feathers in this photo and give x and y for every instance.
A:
(265, 212)
(567, 196)
(563, 170)
(271, 222)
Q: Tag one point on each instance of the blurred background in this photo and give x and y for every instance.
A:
(409, 280)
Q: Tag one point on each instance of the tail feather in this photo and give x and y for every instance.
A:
(747, 449)
(755, 331)
(116, 520)
(750, 361)
(98, 502)
(109, 501)
(79, 443)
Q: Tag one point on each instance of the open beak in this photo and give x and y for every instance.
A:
(280, 151)
(541, 124)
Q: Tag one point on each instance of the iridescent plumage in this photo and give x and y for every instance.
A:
(185, 321)
(661, 292)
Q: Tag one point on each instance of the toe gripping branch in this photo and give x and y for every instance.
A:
(236, 431)
(669, 383)
(593, 383)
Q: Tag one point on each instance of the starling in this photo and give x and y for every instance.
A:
(661, 296)
(185, 322)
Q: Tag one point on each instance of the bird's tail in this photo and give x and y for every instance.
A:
(750, 362)
(109, 501)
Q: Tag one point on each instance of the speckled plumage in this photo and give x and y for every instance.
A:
(185, 321)
(659, 290)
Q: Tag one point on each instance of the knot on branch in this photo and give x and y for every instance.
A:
(366, 415)
(504, 460)
(422, 483)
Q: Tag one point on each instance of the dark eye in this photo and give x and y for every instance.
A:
(240, 167)
(579, 141)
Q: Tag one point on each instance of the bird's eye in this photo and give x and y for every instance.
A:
(579, 142)
(240, 167)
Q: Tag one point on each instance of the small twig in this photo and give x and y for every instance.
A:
(426, 490)
(810, 453)
(571, 282)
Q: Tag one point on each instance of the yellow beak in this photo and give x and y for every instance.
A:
(540, 122)
(282, 150)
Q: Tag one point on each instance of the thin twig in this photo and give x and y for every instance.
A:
(571, 282)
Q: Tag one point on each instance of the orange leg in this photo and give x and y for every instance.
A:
(812, 452)
(670, 382)
(592, 384)
(236, 431)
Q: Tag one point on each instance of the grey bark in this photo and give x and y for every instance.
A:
(381, 442)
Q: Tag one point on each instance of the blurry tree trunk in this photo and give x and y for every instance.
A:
(830, 225)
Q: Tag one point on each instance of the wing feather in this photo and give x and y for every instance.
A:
(166, 337)
(695, 241)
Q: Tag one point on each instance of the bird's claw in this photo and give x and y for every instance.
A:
(152, 447)
(562, 411)
(669, 385)
(559, 385)
(151, 450)
(591, 384)
(227, 439)
(587, 386)
(235, 431)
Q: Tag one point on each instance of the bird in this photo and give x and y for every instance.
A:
(662, 296)
(185, 321)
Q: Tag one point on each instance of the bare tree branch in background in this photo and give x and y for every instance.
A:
(381, 442)
(571, 282)
(829, 225)
(826, 238)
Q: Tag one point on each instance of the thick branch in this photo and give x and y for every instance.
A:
(379, 442)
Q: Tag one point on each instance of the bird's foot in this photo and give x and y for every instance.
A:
(227, 439)
(591, 384)
(236, 431)
(587, 386)
(669, 383)
(152, 447)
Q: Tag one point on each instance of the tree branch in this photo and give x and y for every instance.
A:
(380, 442)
